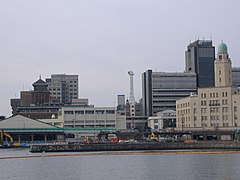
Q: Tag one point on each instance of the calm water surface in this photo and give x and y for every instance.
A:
(92, 166)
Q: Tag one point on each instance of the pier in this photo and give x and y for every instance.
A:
(233, 145)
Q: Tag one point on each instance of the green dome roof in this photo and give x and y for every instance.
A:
(222, 48)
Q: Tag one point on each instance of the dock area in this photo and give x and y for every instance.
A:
(233, 145)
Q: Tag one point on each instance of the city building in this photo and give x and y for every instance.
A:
(121, 103)
(133, 109)
(199, 59)
(36, 104)
(14, 104)
(31, 103)
(165, 120)
(92, 117)
(236, 76)
(160, 90)
(38, 112)
(214, 107)
(63, 88)
(137, 122)
(40, 95)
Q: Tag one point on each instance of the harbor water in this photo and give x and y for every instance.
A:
(20, 164)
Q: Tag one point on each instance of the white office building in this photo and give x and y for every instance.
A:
(92, 117)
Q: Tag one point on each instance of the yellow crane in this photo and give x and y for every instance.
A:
(153, 137)
(2, 134)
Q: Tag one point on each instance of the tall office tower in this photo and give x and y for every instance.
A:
(63, 88)
(236, 76)
(160, 90)
(199, 58)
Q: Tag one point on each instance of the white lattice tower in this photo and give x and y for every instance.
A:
(131, 97)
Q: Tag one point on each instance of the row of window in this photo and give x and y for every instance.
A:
(89, 126)
(89, 121)
(91, 112)
(204, 118)
(213, 95)
(214, 110)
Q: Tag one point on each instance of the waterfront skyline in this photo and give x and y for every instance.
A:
(102, 41)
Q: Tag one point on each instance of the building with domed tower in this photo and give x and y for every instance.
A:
(213, 107)
(35, 103)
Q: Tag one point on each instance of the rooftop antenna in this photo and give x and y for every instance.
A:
(131, 97)
(40, 76)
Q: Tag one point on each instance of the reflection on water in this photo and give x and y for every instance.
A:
(121, 167)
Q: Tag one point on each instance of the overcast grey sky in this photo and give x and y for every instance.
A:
(100, 40)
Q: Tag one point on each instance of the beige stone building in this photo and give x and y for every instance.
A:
(212, 108)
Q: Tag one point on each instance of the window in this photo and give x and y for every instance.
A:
(225, 117)
(79, 121)
(110, 125)
(224, 102)
(99, 111)
(89, 112)
(110, 111)
(79, 112)
(100, 121)
(110, 121)
(235, 108)
(68, 112)
(89, 121)
(225, 109)
(203, 110)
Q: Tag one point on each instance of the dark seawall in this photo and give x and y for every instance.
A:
(136, 146)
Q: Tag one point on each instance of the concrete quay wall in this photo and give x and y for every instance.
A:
(136, 146)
